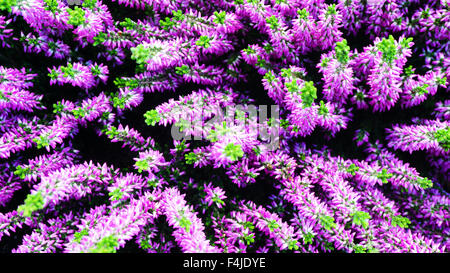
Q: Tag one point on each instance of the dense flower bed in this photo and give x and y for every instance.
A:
(113, 134)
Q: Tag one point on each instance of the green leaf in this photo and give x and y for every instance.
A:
(384, 176)
(352, 169)
(142, 165)
(292, 245)
(323, 109)
(90, 4)
(185, 223)
(249, 238)
(342, 51)
(308, 93)
(292, 86)
(140, 54)
(80, 234)
(424, 182)
(181, 70)
(22, 172)
(420, 90)
(331, 10)
(233, 151)
(400, 221)
(100, 38)
(32, 203)
(303, 14)
(167, 23)
(273, 22)
(42, 141)
(51, 5)
(269, 76)
(7, 4)
(76, 16)
(178, 15)
(191, 158)
(204, 41)
(388, 48)
(152, 117)
(272, 225)
(327, 222)
(116, 194)
(308, 238)
(107, 244)
(361, 218)
(442, 136)
(219, 17)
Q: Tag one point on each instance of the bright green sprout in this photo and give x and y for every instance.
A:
(420, 90)
(308, 238)
(441, 81)
(323, 109)
(100, 38)
(90, 4)
(384, 176)
(51, 5)
(309, 93)
(107, 244)
(152, 117)
(272, 225)
(442, 136)
(22, 172)
(269, 76)
(116, 194)
(128, 24)
(325, 62)
(273, 22)
(400, 221)
(141, 54)
(32, 203)
(249, 238)
(77, 236)
(292, 86)
(286, 72)
(178, 15)
(142, 165)
(42, 141)
(361, 218)
(327, 222)
(76, 16)
(167, 23)
(249, 50)
(79, 112)
(303, 14)
(389, 49)
(185, 223)
(233, 151)
(58, 107)
(219, 17)
(331, 10)
(292, 245)
(204, 41)
(342, 51)
(191, 158)
(181, 146)
(7, 4)
(424, 182)
(181, 70)
(409, 70)
(68, 71)
(352, 169)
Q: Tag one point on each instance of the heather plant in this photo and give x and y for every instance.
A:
(224, 126)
